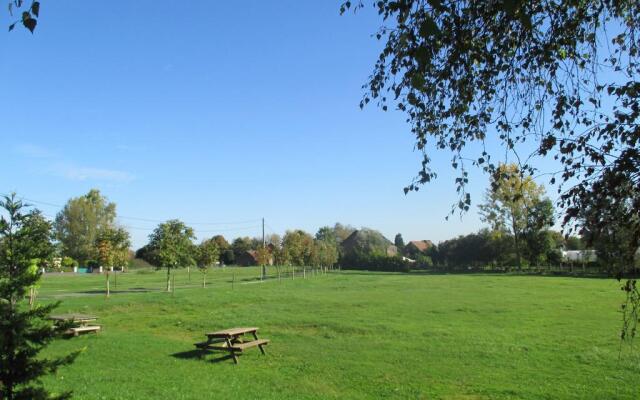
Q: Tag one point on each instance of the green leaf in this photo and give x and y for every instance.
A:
(510, 6)
(525, 19)
(30, 24)
(417, 81)
(428, 27)
(35, 8)
(436, 4)
(422, 55)
(12, 26)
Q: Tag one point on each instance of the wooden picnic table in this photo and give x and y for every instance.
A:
(80, 321)
(233, 341)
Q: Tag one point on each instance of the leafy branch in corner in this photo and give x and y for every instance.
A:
(28, 16)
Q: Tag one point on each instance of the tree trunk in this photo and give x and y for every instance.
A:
(168, 279)
(516, 239)
(204, 280)
(108, 290)
(32, 297)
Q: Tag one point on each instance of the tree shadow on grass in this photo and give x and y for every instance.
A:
(132, 290)
(548, 274)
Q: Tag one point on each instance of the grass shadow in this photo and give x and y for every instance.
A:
(200, 355)
(188, 355)
(546, 274)
(132, 290)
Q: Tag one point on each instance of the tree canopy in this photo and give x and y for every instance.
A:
(113, 247)
(515, 203)
(559, 74)
(298, 248)
(81, 221)
(208, 253)
(171, 246)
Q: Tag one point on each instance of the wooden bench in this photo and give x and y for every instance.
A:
(83, 329)
(248, 345)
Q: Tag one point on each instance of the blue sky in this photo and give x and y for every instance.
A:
(213, 112)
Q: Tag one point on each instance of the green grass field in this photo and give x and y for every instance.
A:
(349, 335)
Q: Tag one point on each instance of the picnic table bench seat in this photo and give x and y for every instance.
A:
(246, 345)
(83, 329)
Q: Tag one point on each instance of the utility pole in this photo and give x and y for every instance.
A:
(264, 248)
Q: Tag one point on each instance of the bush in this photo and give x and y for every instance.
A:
(69, 263)
(228, 258)
(138, 263)
(423, 262)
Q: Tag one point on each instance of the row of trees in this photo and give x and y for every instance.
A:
(516, 208)
(171, 246)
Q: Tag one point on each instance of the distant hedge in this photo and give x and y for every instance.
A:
(375, 262)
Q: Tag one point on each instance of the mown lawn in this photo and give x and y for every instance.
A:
(350, 335)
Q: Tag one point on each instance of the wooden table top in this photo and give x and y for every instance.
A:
(73, 317)
(231, 332)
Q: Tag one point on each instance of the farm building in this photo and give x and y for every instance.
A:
(247, 258)
(250, 257)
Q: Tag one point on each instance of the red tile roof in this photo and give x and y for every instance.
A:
(422, 245)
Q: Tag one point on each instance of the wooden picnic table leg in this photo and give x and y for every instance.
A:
(255, 336)
(233, 354)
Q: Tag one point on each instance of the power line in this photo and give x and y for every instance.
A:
(271, 228)
(151, 220)
(194, 223)
(199, 230)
